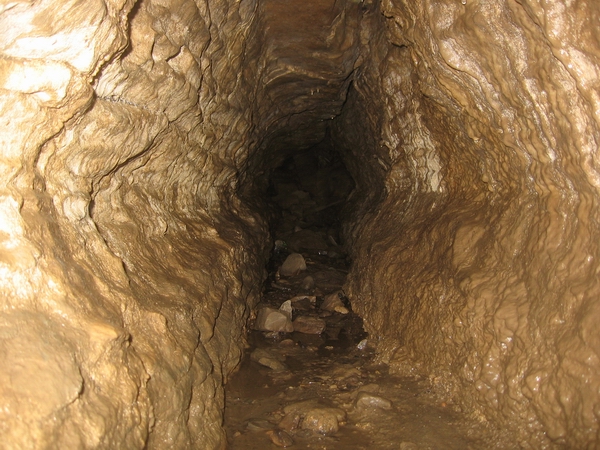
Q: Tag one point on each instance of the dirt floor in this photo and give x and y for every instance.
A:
(323, 390)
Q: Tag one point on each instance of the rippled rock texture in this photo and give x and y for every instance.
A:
(129, 263)
(128, 266)
(480, 265)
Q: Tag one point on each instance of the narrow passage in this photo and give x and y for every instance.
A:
(309, 378)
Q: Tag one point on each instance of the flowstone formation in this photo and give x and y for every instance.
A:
(479, 267)
(128, 265)
(137, 140)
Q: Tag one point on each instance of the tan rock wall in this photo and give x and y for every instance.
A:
(479, 267)
(128, 265)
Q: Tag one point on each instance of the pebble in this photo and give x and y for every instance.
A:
(280, 438)
(408, 446)
(293, 265)
(309, 325)
(368, 400)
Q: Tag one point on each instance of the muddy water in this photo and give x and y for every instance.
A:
(336, 369)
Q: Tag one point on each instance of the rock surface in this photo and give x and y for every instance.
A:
(293, 265)
(271, 319)
(309, 325)
(136, 143)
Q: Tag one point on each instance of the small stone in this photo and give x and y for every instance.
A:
(280, 438)
(368, 400)
(362, 344)
(268, 359)
(323, 420)
(308, 283)
(309, 325)
(408, 446)
(341, 310)
(270, 319)
(332, 301)
(290, 421)
(259, 425)
(286, 308)
(293, 265)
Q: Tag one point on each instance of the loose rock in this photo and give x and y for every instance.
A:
(309, 325)
(293, 265)
(332, 301)
(308, 283)
(280, 438)
(286, 308)
(268, 359)
(270, 319)
(323, 420)
(368, 400)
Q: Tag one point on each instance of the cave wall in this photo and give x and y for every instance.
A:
(128, 264)
(479, 265)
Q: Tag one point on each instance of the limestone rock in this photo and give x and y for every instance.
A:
(309, 325)
(280, 438)
(331, 302)
(271, 319)
(268, 359)
(368, 400)
(323, 420)
(293, 265)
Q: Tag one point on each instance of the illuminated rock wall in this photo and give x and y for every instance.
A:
(129, 263)
(480, 266)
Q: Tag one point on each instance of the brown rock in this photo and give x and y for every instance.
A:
(323, 420)
(367, 400)
(270, 319)
(309, 325)
(293, 265)
(280, 438)
(332, 301)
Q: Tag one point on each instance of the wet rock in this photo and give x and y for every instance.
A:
(290, 421)
(259, 425)
(271, 319)
(323, 420)
(331, 301)
(308, 283)
(309, 325)
(268, 359)
(280, 438)
(367, 400)
(286, 308)
(293, 265)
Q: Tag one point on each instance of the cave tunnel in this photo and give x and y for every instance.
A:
(446, 149)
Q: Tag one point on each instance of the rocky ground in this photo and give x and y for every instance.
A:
(308, 379)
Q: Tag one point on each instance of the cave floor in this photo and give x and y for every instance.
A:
(329, 393)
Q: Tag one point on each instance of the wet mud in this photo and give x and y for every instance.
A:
(334, 371)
